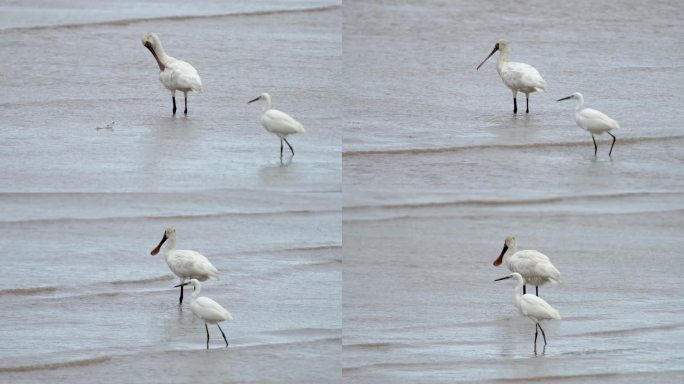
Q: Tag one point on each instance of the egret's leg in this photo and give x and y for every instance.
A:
(543, 335)
(515, 105)
(524, 289)
(611, 146)
(527, 103)
(186, 103)
(281, 148)
(536, 288)
(181, 296)
(288, 144)
(224, 335)
(595, 147)
(535, 337)
(207, 328)
(173, 97)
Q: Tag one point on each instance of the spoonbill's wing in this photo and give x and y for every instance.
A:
(521, 76)
(193, 264)
(183, 75)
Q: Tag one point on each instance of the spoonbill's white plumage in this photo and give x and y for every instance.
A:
(176, 75)
(519, 77)
(593, 121)
(278, 123)
(533, 307)
(185, 264)
(535, 267)
(207, 309)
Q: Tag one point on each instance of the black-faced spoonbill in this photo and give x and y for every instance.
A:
(176, 75)
(207, 309)
(533, 307)
(592, 121)
(278, 123)
(519, 77)
(185, 264)
(535, 267)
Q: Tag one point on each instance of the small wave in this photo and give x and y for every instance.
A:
(143, 281)
(421, 151)
(65, 364)
(27, 291)
(494, 203)
(629, 331)
(218, 215)
(125, 22)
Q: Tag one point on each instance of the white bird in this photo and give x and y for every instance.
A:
(533, 307)
(519, 77)
(593, 121)
(176, 75)
(278, 123)
(535, 267)
(185, 264)
(207, 309)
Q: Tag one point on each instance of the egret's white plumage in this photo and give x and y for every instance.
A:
(207, 309)
(174, 74)
(593, 121)
(533, 307)
(278, 123)
(534, 266)
(183, 263)
(518, 77)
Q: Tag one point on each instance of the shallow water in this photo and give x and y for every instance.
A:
(82, 207)
(438, 171)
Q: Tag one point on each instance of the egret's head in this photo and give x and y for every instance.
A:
(574, 96)
(514, 275)
(263, 96)
(194, 282)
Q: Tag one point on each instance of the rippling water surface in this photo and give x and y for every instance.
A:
(82, 207)
(438, 171)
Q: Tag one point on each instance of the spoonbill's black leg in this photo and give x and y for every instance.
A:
(186, 104)
(527, 105)
(174, 104)
(515, 105)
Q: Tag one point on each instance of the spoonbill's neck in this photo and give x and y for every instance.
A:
(504, 53)
(160, 55)
(512, 249)
(170, 246)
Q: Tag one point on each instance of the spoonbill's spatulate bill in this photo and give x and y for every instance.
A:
(278, 123)
(533, 307)
(185, 264)
(593, 121)
(207, 309)
(176, 75)
(519, 77)
(534, 266)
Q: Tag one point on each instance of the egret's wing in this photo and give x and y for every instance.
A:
(538, 308)
(522, 75)
(208, 309)
(280, 122)
(592, 119)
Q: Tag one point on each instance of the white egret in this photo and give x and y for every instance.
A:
(207, 309)
(185, 264)
(176, 75)
(533, 307)
(534, 266)
(278, 123)
(593, 121)
(519, 77)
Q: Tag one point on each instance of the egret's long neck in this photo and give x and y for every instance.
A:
(580, 102)
(196, 292)
(267, 105)
(503, 58)
(517, 292)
